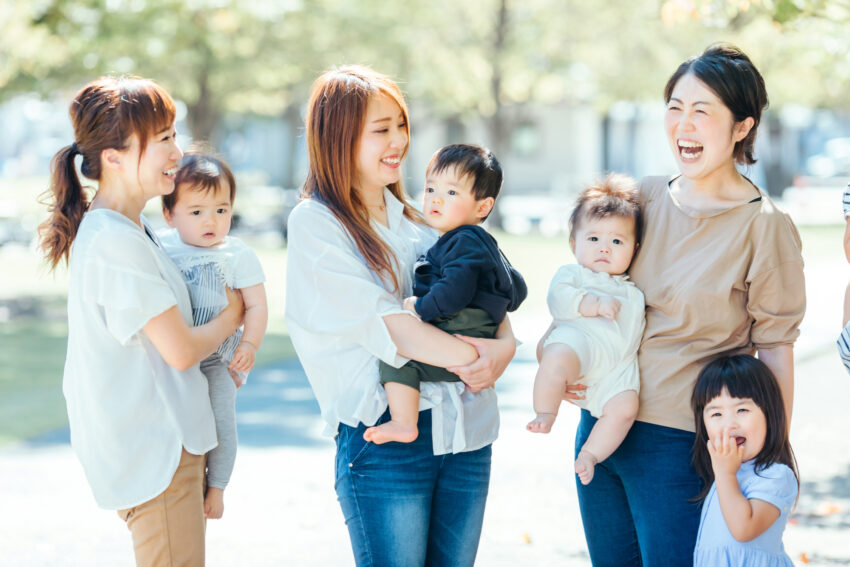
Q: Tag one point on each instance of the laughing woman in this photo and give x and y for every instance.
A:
(352, 244)
(721, 269)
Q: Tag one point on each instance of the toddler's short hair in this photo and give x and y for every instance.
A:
(469, 159)
(203, 171)
(616, 195)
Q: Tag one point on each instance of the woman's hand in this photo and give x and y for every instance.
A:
(574, 392)
(409, 304)
(235, 309)
(726, 455)
(494, 355)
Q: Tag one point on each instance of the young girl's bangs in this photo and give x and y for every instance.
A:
(741, 377)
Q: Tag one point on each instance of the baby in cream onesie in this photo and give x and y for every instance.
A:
(598, 322)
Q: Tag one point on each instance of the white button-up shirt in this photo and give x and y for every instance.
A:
(129, 411)
(334, 313)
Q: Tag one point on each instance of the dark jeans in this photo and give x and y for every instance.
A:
(637, 510)
(406, 507)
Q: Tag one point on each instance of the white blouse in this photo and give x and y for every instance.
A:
(334, 313)
(129, 411)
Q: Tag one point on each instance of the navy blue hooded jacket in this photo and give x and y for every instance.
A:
(465, 268)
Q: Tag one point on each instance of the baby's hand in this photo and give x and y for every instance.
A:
(409, 304)
(609, 307)
(243, 357)
(726, 455)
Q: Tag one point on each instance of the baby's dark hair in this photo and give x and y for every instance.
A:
(742, 376)
(200, 170)
(616, 195)
(469, 159)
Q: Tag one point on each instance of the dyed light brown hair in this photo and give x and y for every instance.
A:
(336, 114)
(105, 114)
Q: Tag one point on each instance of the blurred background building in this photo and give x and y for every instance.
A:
(562, 91)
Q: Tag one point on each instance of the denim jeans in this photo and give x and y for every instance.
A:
(637, 509)
(406, 507)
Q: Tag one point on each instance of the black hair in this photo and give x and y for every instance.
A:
(730, 74)
(200, 170)
(742, 376)
(475, 161)
(616, 196)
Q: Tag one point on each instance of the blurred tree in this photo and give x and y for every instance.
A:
(493, 59)
(211, 54)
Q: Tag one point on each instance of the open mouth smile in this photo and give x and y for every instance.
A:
(688, 150)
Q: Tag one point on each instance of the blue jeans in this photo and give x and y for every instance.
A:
(637, 510)
(406, 507)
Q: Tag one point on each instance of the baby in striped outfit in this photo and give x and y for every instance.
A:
(199, 212)
(844, 339)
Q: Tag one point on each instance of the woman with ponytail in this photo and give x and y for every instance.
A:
(138, 406)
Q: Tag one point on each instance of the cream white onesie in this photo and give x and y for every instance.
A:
(607, 350)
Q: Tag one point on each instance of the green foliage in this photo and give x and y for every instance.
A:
(459, 59)
(31, 361)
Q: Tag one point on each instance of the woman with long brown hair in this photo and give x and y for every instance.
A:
(352, 243)
(138, 406)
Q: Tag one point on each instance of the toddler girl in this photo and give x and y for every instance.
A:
(743, 455)
(598, 322)
(199, 212)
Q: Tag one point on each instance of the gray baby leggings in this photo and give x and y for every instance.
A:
(223, 399)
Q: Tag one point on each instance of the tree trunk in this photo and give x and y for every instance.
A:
(497, 122)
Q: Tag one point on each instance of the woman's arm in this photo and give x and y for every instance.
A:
(424, 342)
(182, 346)
(846, 305)
(780, 360)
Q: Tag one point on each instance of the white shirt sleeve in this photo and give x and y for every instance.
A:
(330, 291)
(123, 278)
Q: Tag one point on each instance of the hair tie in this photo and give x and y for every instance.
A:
(75, 148)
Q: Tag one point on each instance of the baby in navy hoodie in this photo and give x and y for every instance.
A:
(464, 284)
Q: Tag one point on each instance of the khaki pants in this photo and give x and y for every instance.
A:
(168, 530)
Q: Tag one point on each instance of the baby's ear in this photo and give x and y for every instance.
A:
(168, 217)
(484, 207)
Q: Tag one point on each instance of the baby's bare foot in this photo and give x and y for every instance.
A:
(391, 431)
(542, 423)
(585, 465)
(214, 503)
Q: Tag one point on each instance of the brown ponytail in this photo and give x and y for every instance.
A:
(66, 210)
(105, 114)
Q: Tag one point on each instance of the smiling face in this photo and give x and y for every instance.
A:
(701, 130)
(606, 244)
(154, 171)
(381, 146)
(202, 218)
(740, 418)
(449, 201)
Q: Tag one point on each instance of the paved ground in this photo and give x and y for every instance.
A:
(281, 507)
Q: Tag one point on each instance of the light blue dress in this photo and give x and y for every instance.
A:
(715, 545)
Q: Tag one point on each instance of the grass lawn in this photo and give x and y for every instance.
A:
(32, 349)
